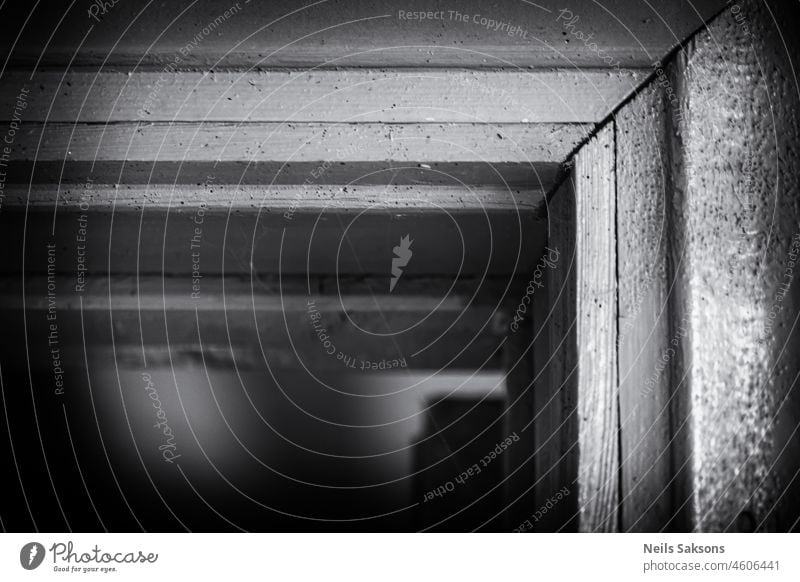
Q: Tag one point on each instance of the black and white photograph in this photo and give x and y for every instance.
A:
(369, 268)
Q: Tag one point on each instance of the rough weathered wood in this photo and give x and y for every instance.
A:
(341, 96)
(295, 153)
(300, 142)
(338, 33)
(681, 422)
(278, 198)
(646, 354)
(737, 129)
(523, 176)
(554, 416)
(596, 263)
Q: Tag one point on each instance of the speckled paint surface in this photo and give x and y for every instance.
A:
(646, 356)
(738, 129)
(596, 323)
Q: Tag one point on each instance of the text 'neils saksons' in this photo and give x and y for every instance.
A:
(665, 548)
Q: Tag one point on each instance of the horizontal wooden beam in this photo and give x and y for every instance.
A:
(338, 96)
(295, 153)
(338, 33)
(271, 294)
(279, 198)
(536, 175)
(254, 322)
(219, 240)
(299, 142)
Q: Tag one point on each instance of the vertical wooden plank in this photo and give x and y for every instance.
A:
(595, 259)
(555, 357)
(645, 342)
(737, 137)
(681, 420)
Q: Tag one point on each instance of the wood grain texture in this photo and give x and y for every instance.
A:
(302, 142)
(339, 33)
(596, 263)
(340, 96)
(736, 135)
(646, 352)
(681, 421)
(302, 153)
(280, 198)
(555, 419)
